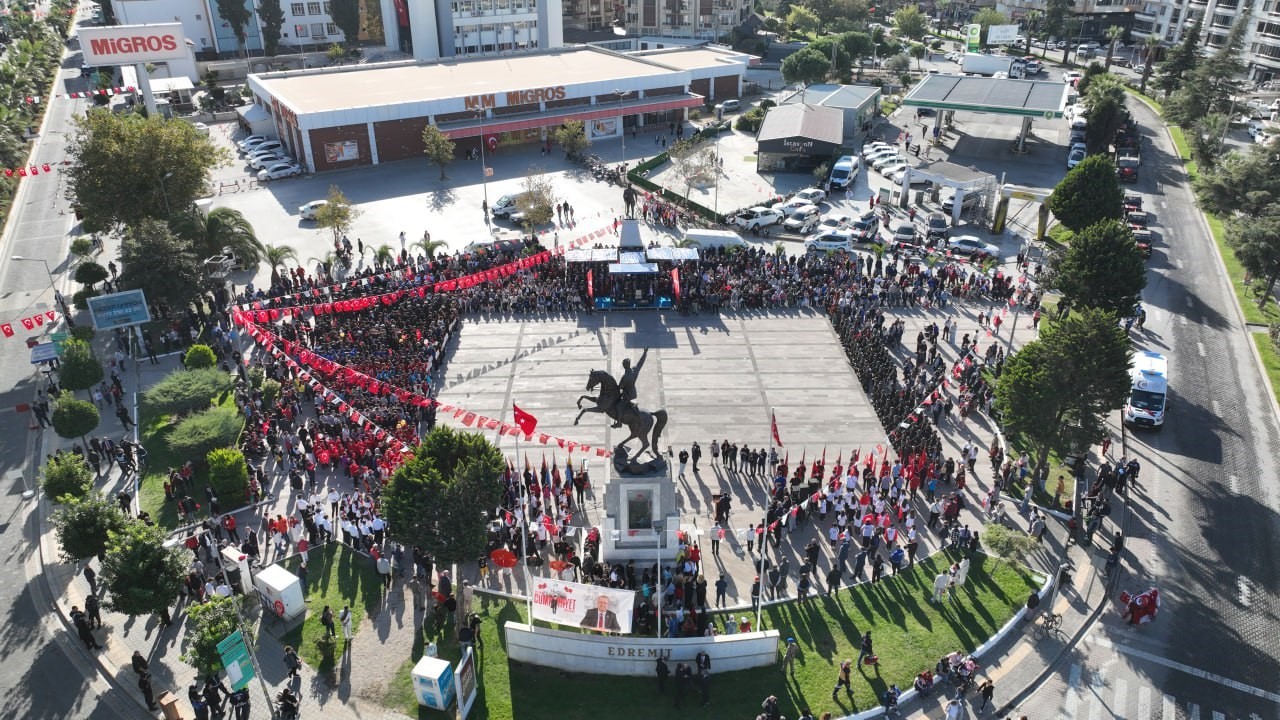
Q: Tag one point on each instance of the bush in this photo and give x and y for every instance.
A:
(270, 391)
(750, 120)
(821, 172)
(197, 434)
(256, 376)
(228, 473)
(82, 247)
(80, 299)
(84, 333)
(1006, 543)
(184, 391)
(198, 357)
(90, 273)
(66, 477)
(73, 418)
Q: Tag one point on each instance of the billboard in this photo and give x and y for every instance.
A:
(586, 606)
(1002, 34)
(973, 37)
(130, 44)
(119, 310)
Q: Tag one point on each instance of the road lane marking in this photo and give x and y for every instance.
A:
(1168, 710)
(1190, 302)
(1193, 671)
(1201, 350)
(1072, 706)
(1144, 703)
(1120, 699)
(1245, 590)
(1234, 482)
(1193, 711)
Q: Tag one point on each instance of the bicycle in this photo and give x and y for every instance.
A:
(1050, 624)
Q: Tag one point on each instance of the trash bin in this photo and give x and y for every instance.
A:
(169, 706)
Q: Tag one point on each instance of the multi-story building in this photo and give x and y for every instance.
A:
(696, 19)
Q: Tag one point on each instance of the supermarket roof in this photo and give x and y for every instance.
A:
(1000, 96)
(355, 86)
(696, 58)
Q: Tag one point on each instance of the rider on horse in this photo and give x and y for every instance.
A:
(627, 388)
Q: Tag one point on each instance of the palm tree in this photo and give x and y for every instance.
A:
(1113, 34)
(276, 255)
(1033, 19)
(686, 243)
(384, 256)
(220, 228)
(1149, 48)
(428, 246)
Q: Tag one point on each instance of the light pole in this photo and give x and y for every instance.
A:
(165, 192)
(657, 580)
(622, 125)
(484, 170)
(46, 268)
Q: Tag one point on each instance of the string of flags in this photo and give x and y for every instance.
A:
(287, 350)
(108, 92)
(30, 323)
(32, 170)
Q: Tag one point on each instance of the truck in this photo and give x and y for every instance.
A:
(1149, 390)
(989, 65)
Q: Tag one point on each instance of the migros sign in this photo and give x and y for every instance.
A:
(515, 97)
(128, 44)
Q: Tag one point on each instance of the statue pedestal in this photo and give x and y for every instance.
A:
(641, 518)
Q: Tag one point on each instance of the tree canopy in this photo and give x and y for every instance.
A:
(1102, 268)
(208, 624)
(141, 575)
(803, 20)
(346, 15)
(1088, 193)
(572, 136)
(338, 214)
(1210, 86)
(73, 418)
(1241, 182)
(79, 368)
(987, 17)
(537, 199)
(438, 147)
(1058, 389)
(272, 15)
(1105, 98)
(237, 14)
(66, 478)
(1256, 242)
(1180, 61)
(83, 526)
(222, 227)
(160, 264)
(438, 499)
(123, 166)
(807, 66)
(909, 22)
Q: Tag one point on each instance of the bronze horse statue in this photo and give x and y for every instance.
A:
(637, 421)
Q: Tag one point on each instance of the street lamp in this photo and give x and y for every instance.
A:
(165, 192)
(46, 268)
(484, 170)
(657, 580)
(622, 124)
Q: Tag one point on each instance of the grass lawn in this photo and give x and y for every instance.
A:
(1150, 100)
(153, 431)
(336, 576)
(1056, 467)
(1270, 360)
(910, 634)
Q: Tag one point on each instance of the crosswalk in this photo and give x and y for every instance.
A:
(1092, 695)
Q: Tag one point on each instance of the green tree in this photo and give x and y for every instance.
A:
(572, 136)
(222, 227)
(208, 624)
(831, 46)
(74, 418)
(1243, 183)
(438, 147)
(1206, 137)
(1150, 51)
(160, 264)
(228, 473)
(1180, 61)
(909, 22)
(335, 53)
(1256, 242)
(346, 15)
(437, 499)
(427, 246)
(237, 14)
(1088, 193)
(122, 167)
(1033, 21)
(807, 66)
(79, 368)
(83, 526)
(1112, 35)
(184, 391)
(199, 357)
(142, 576)
(197, 434)
(694, 163)
(803, 21)
(1057, 391)
(272, 16)
(1210, 86)
(898, 64)
(1102, 268)
(1056, 15)
(1105, 98)
(537, 199)
(918, 52)
(90, 273)
(338, 214)
(66, 478)
(276, 256)
(987, 17)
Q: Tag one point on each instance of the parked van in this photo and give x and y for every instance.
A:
(844, 172)
(714, 238)
(1149, 394)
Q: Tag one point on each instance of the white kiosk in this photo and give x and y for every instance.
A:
(283, 591)
(433, 683)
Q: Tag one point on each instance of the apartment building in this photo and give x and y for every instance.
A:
(694, 19)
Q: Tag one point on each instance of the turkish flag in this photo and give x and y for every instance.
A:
(469, 419)
(773, 422)
(28, 323)
(526, 422)
(675, 285)
(7, 329)
(591, 291)
(39, 320)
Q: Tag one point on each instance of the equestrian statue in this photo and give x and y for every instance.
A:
(616, 400)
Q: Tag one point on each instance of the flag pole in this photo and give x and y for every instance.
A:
(764, 527)
(524, 537)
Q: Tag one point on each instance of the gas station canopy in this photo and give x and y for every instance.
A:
(999, 96)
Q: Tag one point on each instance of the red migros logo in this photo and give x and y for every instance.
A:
(133, 44)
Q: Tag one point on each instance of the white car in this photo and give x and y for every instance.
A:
(904, 232)
(275, 145)
(1071, 75)
(279, 170)
(261, 161)
(834, 221)
(829, 240)
(308, 211)
(878, 154)
(874, 146)
(251, 141)
(803, 219)
(786, 207)
(969, 244)
(888, 160)
(896, 166)
(813, 195)
(916, 178)
(757, 217)
(1075, 158)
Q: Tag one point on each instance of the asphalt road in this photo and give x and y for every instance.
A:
(44, 672)
(1205, 513)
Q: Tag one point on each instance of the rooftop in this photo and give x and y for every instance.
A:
(354, 86)
(831, 95)
(1039, 98)
(695, 58)
(808, 121)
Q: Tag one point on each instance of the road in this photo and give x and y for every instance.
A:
(43, 669)
(1205, 514)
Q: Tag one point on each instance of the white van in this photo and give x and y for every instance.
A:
(714, 238)
(844, 172)
(1149, 394)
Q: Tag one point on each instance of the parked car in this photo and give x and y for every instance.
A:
(898, 176)
(786, 207)
(971, 245)
(1075, 157)
(757, 217)
(813, 194)
(308, 211)
(904, 232)
(268, 145)
(828, 240)
(887, 160)
(970, 200)
(279, 170)
(729, 106)
(261, 160)
(937, 226)
(834, 221)
(897, 165)
(879, 153)
(504, 206)
(866, 228)
(803, 219)
(843, 172)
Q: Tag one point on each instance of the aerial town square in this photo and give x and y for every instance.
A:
(730, 359)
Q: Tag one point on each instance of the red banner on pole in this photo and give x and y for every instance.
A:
(591, 290)
(773, 422)
(675, 283)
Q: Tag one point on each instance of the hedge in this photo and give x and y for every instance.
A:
(185, 391)
(197, 434)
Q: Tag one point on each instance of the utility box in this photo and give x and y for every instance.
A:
(433, 683)
(282, 590)
(168, 703)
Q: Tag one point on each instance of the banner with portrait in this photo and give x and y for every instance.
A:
(591, 607)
